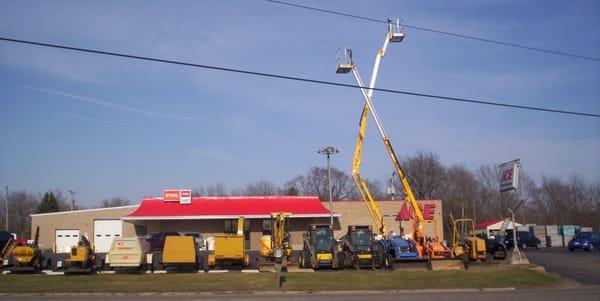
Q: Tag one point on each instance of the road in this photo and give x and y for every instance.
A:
(580, 266)
(579, 294)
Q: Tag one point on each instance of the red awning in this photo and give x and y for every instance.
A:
(229, 207)
(486, 224)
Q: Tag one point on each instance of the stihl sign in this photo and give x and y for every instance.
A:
(407, 212)
(179, 196)
(509, 175)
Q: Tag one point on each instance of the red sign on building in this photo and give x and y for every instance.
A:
(408, 213)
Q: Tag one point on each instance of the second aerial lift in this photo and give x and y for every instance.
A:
(432, 248)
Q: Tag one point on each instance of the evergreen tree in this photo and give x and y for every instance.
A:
(49, 203)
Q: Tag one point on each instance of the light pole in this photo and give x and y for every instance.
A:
(73, 193)
(329, 150)
(6, 208)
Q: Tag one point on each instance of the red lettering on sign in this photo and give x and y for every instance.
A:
(507, 175)
(408, 213)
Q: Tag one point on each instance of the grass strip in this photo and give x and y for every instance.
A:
(510, 276)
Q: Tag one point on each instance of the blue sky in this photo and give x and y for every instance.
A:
(106, 126)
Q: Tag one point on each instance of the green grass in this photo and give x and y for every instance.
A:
(519, 277)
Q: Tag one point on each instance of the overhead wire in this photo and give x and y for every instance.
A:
(459, 35)
(296, 78)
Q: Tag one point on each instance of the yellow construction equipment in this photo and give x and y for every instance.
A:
(230, 249)
(320, 248)
(179, 253)
(276, 249)
(27, 258)
(434, 249)
(82, 258)
(465, 244)
(128, 254)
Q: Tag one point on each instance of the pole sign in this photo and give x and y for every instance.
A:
(509, 175)
(181, 196)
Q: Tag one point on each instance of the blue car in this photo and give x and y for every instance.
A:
(587, 241)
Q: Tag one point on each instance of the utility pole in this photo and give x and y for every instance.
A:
(6, 208)
(73, 193)
(329, 150)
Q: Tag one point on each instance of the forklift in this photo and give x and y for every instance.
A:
(358, 248)
(320, 248)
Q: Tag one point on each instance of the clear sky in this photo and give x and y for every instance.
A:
(106, 126)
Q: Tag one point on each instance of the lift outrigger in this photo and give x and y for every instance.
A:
(397, 248)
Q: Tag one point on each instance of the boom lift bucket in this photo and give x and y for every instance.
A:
(344, 60)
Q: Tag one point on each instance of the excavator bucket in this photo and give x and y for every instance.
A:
(445, 264)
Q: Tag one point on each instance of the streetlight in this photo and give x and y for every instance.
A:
(329, 150)
(73, 193)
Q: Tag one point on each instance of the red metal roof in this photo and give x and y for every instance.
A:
(229, 207)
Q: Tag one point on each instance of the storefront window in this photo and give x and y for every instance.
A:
(231, 226)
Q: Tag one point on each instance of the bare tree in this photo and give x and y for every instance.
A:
(114, 202)
(20, 206)
(217, 189)
(260, 188)
(426, 175)
(315, 183)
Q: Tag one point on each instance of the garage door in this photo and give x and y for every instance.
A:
(104, 233)
(65, 239)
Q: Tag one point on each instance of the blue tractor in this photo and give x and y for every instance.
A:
(402, 252)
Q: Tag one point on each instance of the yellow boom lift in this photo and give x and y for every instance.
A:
(418, 245)
(276, 249)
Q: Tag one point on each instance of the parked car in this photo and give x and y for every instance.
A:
(587, 241)
(527, 240)
(157, 240)
(496, 248)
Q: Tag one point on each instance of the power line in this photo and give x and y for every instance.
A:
(439, 31)
(302, 79)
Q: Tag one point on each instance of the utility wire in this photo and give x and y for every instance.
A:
(439, 31)
(295, 78)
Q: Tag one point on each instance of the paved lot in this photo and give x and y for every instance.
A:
(583, 267)
(579, 294)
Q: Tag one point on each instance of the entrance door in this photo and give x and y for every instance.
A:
(65, 239)
(104, 233)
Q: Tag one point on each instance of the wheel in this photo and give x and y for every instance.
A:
(307, 259)
(356, 263)
(465, 260)
(389, 261)
(301, 262)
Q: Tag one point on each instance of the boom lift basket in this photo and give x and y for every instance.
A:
(344, 60)
(396, 31)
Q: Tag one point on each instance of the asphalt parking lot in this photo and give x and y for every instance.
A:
(580, 266)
